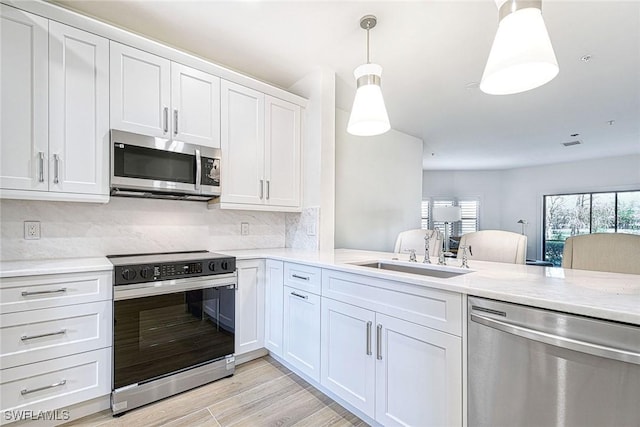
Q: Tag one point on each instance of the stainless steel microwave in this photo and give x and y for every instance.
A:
(145, 166)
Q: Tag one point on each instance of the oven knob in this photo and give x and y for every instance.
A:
(212, 266)
(224, 265)
(128, 274)
(146, 272)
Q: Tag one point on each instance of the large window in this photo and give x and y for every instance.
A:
(468, 208)
(568, 215)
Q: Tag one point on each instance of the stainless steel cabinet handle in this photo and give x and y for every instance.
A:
(175, 122)
(198, 169)
(165, 119)
(295, 294)
(299, 277)
(33, 390)
(369, 324)
(32, 337)
(558, 341)
(268, 189)
(56, 167)
(261, 189)
(54, 291)
(379, 342)
(41, 166)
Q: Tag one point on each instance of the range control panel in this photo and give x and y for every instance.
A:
(152, 272)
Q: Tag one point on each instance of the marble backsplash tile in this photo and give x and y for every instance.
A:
(128, 225)
(302, 229)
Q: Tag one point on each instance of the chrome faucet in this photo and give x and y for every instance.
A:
(412, 255)
(464, 255)
(426, 259)
(441, 258)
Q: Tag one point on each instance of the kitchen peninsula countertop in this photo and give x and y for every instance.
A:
(611, 296)
(53, 266)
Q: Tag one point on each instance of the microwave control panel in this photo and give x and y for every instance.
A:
(210, 171)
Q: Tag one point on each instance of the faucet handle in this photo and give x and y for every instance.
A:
(412, 255)
(464, 255)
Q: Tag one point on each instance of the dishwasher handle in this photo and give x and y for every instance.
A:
(558, 341)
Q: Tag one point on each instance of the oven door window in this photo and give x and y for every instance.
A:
(159, 335)
(131, 161)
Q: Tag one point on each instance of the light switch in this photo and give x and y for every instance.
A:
(244, 228)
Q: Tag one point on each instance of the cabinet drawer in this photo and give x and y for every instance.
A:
(303, 277)
(434, 308)
(31, 336)
(37, 292)
(57, 383)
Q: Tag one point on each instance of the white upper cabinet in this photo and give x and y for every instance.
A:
(282, 152)
(242, 144)
(153, 96)
(261, 150)
(78, 111)
(195, 102)
(55, 110)
(24, 87)
(140, 91)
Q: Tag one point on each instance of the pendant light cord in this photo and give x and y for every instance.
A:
(368, 60)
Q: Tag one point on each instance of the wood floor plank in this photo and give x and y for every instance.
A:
(202, 418)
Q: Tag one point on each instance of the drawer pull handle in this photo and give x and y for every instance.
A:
(55, 291)
(379, 342)
(299, 296)
(50, 334)
(33, 390)
(369, 338)
(295, 276)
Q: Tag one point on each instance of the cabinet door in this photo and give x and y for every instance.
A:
(418, 375)
(302, 331)
(140, 91)
(348, 361)
(78, 111)
(249, 306)
(274, 306)
(23, 88)
(242, 144)
(282, 152)
(195, 103)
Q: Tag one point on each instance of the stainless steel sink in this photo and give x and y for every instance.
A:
(443, 272)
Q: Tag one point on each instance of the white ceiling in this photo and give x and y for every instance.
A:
(429, 51)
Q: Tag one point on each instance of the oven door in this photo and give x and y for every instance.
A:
(158, 332)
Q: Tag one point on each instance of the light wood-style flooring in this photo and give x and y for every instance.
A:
(260, 393)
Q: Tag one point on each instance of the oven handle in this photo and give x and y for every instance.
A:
(169, 287)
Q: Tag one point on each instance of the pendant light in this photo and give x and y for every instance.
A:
(521, 57)
(368, 113)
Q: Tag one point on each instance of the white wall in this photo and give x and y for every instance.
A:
(127, 225)
(513, 194)
(378, 187)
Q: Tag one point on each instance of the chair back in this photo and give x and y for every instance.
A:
(414, 239)
(612, 252)
(495, 245)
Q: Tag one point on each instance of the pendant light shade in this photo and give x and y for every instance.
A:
(521, 57)
(368, 113)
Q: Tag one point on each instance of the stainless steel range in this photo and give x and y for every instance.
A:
(173, 324)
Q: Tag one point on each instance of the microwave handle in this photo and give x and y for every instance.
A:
(198, 169)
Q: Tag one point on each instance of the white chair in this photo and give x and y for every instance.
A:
(414, 239)
(495, 245)
(612, 252)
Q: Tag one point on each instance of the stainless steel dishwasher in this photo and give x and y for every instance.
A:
(534, 367)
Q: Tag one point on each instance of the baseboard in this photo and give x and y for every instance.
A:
(251, 355)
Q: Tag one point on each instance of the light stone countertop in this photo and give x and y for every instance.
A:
(611, 296)
(53, 266)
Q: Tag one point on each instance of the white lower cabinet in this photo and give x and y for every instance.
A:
(274, 306)
(398, 372)
(301, 344)
(249, 306)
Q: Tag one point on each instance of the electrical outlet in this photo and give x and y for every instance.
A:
(32, 230)
(244, 228)
(311, 229)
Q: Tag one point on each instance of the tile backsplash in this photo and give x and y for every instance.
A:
(129, 225)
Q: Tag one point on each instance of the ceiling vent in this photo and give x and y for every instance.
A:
(569, 144)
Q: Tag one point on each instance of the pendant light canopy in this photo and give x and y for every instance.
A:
(368, 113)
(521, 57)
